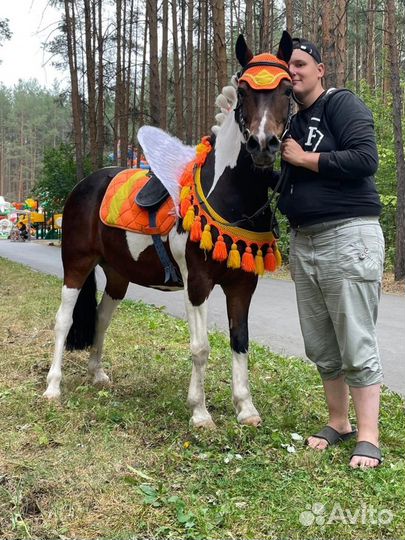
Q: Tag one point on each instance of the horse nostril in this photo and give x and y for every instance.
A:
(253, 144)
(273, 143)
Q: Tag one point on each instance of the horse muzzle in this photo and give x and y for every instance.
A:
(263, 153)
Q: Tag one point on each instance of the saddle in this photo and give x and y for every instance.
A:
(137, 201)
(132, 198)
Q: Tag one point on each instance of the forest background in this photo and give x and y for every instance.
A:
(162, 62)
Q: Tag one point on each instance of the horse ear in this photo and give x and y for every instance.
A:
(243, 53)
(285, 47)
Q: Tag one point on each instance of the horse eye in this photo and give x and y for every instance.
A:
(288, 92)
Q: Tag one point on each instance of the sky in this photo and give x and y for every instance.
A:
(31, 22)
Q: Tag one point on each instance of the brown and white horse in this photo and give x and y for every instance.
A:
(236, 177)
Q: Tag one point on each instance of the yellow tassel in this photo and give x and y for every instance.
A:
(248, 262)
(220, 252)
(206, 239)
(259, 263)
(196, 232)
(279, 260)
(185, 192)
(188, 219)
(234, 257)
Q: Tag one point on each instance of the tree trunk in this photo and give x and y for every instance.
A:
(341, 42)
(370, 41)
(91, 82)
(399, 143)
(100, 94)
(289, 16)
(76, 103)
(328, 41)
(249, 22)
(163, 73)
(176, 72)
(154, 85)
(189, 74)
(218, 19)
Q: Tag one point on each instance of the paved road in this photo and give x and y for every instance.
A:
(273, 314)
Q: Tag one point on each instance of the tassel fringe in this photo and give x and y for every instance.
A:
(196, 232)
(259, 263)
(188, 209)
(220, 252)
(234, 257)
(248, 262)
(206, 239)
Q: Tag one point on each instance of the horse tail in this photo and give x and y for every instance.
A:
(82, 332)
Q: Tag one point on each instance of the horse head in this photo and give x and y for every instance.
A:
(264, 105)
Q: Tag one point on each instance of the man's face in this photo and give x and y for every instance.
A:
(306, 74)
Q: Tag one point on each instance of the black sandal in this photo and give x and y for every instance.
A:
(367, 449)
(331, 436)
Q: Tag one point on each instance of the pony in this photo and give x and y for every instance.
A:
(233, 195)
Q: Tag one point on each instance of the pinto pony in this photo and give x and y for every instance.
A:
(225, 210)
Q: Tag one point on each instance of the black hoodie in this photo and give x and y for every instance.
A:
(344, 187)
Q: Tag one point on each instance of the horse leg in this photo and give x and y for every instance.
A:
(115, 291)
(196, 291)
(197, 320)
(238, 299)
(64, 319)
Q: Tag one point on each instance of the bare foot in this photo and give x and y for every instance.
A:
(362, 462)
(321, 444)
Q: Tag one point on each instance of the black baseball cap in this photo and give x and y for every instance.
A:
(308, 47)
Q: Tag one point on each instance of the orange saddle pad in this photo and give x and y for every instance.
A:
(119, 209)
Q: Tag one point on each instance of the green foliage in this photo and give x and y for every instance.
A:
(58, 177)
(122, 462)
(31, 119)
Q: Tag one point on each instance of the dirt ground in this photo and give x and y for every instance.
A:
(391, 286)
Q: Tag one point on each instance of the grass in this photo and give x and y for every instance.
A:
(123, 463)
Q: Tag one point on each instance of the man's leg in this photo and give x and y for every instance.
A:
(366, 402)
(337, 399)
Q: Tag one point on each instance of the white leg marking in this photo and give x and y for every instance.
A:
(242, 399)
(64, 319)
(105, 311)
(197, 321)
(200, 349)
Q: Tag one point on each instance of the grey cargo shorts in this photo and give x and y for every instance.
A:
(337, 267)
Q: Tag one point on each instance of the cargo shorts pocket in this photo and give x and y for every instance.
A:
(362, 258)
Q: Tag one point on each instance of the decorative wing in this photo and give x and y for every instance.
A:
(167, 157)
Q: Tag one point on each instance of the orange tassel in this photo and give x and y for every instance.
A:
(259, 263)
(234, 257)
(195, 233)
(206, 239)
(184, 206)
(279, 259)
(270, 263)
(220, 252)
(248, 262)
(188, 219)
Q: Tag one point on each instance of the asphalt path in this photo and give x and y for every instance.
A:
(273, 318)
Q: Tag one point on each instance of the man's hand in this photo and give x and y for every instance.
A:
(292, 152)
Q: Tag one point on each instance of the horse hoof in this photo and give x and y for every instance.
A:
(101, 381)
(254, 421)
(205, 424)
(51, 395)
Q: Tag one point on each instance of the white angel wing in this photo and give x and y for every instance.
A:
(167, 157)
